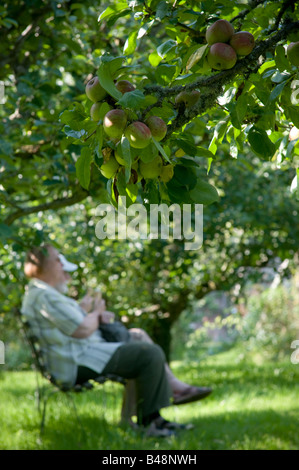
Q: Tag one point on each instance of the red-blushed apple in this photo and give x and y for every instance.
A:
(221, 56)
(294, 133)
(114, 123)
(94, 90)
(138, 134)
(293, 53)
(220, 31)
(189, 98)
(242, 43)
(124, 86)
(109, 167)
(152, 169)
(157, 127)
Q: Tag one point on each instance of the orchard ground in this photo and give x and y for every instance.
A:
(254, 406)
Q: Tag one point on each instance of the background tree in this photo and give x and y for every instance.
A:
(235, 138)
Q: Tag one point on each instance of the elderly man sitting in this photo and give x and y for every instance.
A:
(75, 351)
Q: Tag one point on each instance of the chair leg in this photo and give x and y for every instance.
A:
(71, 398)
(45, 398)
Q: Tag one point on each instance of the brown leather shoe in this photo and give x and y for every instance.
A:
(192, 394)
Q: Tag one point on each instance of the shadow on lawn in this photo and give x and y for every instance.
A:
(228, 430)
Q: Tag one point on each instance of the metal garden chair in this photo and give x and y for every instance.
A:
(43, 393)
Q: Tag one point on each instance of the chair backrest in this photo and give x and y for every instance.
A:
(34, 345)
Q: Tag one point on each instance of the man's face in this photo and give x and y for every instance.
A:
(62, 287)
(53, 267)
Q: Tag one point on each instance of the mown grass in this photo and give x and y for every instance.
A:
(253, 406)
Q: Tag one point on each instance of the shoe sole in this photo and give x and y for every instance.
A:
(192, 398)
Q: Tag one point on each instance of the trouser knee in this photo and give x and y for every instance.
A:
(155, 353)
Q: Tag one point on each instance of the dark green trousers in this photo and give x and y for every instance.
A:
(146, 364)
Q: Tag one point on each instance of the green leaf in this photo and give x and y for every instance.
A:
(185, 176)
(5, 232)
(113, 10)
(293, 112)
(154, 59)
(98, 150)
(104, 108)
(260, 143)
(238, 111)
(133, 100)
(181, 196)
(75, 134)
(204, 193)
(294, 185)
(196, 56)
(83, 167)
(149, 153)
(164, 48)
(202, 152)
(131, 42)
(144, 28)
(126, 155)
(162, 10)
(189, 147)
(281, 60)
(106, 75)
(73, 117)
(161, 150)
(165, 73)
(277, 91)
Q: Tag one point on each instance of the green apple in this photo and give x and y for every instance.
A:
(124, 86)
(220, 31)
(114, 123)
(94, 91)
(118, 153)
(152, 169)
(180, 153)
(166, 173)
(98, 110)
(189, 98)
(242, 43)
(221, 56)
(138, 134)
(157, 127)
(293, 53)
(109, 167)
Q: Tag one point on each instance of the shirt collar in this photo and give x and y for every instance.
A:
(41, 285)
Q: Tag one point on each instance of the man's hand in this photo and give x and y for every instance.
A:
(87, 302)
(107, 317)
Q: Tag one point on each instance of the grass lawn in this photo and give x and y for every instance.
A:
(254, 406)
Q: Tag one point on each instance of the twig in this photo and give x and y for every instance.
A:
(90, 135)
(252, 6)
(285, 6)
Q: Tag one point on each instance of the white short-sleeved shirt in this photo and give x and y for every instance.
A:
(53, 318)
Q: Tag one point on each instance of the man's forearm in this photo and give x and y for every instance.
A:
(88, 326)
